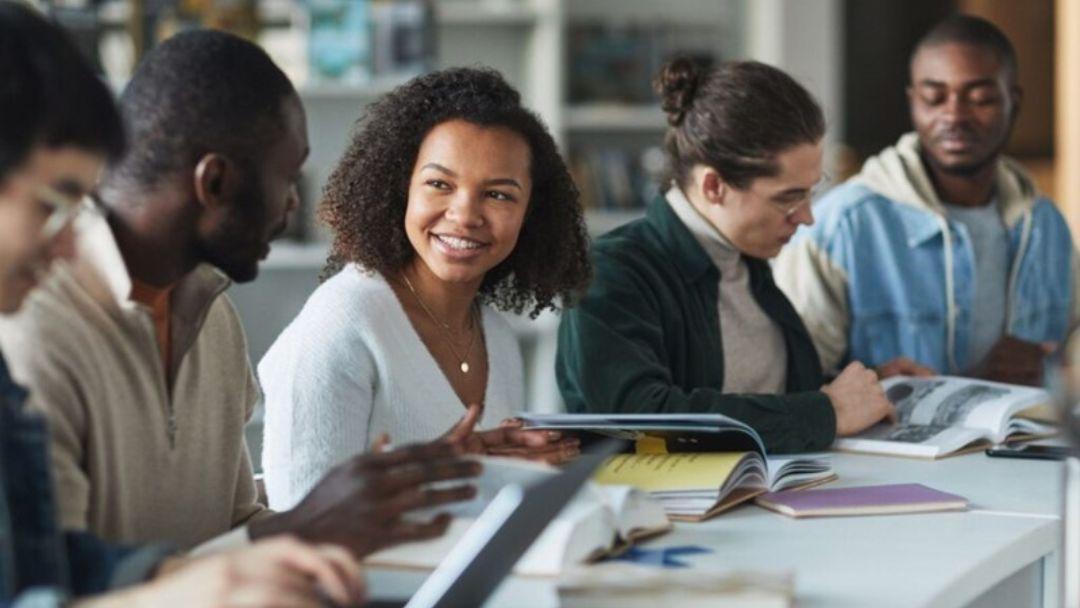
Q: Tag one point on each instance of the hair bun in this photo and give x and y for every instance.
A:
(676, 85)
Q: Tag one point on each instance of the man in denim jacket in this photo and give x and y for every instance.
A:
(940, 251)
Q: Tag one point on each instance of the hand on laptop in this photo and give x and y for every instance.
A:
(509, 439)
(1015, 361)
(360, 503)
(858, 399)
(902, 366)
(281, 572)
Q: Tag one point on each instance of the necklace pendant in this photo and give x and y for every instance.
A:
(464, 367)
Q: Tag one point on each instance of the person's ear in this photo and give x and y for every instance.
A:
(217, 179)
(713, 187)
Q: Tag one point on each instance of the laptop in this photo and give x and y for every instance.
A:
(505, 530)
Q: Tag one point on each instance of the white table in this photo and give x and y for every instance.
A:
(1004, 552)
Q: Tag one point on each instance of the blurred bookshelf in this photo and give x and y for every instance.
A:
(613, 125)
(584, 66)
(614, 116)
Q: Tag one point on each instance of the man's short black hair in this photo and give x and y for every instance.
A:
(199, 92)
(48, 93)
(974, 31)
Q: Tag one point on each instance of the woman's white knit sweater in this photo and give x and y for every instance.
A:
(351, 367)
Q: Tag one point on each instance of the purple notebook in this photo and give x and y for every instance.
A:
(866, 500)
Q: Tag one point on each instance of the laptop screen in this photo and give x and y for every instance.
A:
(503, 533)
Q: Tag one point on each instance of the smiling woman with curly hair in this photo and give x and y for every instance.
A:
(450, 202)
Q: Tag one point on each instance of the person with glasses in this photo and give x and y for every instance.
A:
(682, 315)
(52, 152)
(941, 251)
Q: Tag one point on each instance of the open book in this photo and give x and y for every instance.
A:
(601, 520)
(696, 465)
(694, 486)
(942, 415)
(622, 585)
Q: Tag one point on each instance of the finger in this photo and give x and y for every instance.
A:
(923, 371)
(1048, 347)
(416, 474)
(381, 444)
(348, 572)
(272, 570)
(890, 413)
(512, 423)
(511, 436)
(850, 367)
(307, 560)
(465, 426)
(411, 531)
(422, 498)
(417, 452)
(269, 596)
(567, 448)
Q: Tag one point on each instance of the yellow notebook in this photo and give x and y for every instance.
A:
(697, 465)
(693, 486)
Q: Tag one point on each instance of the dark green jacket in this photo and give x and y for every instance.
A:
(646, 338)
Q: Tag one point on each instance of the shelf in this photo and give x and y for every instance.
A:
(271, 13)
(599, 221)
(615, 117)
(331, 90)
(293, 255)
(489, 12)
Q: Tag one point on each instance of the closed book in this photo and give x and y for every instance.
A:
(620, 585)
(865, 500)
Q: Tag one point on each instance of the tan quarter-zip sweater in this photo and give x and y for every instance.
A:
(135, 462)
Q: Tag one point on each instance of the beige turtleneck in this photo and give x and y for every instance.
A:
(755, 357)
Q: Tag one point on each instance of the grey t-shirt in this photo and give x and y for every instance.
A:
(990, 242)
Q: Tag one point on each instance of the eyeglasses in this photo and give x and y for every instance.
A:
(65, 209)
(790, 208)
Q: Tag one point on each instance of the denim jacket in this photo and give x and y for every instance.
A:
(40, 565)
(884, 272)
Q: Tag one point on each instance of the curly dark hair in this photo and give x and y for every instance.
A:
(365, 197)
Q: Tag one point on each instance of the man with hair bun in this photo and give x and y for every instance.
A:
(941, 252)
(683, 315)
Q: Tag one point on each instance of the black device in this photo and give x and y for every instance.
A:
(1035, 452)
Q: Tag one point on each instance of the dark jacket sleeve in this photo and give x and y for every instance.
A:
(613, 358)
(98, 566)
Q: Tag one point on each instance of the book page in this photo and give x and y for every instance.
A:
(945, 401)
(637, 514)
(670, 472)
(498, 472)
(923, 440)
(793, 471)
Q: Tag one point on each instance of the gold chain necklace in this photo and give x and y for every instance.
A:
(446, 327)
